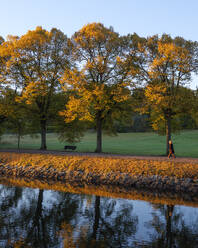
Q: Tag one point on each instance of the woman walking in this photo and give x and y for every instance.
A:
(171, 150)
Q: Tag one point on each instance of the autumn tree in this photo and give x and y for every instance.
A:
(98, 80)
(2, 68)
(67, 132)
(194, 112)
(166, 67)
(166, 110)
(34, 63)
(16, 115)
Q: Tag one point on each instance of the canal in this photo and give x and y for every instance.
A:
(39, 217)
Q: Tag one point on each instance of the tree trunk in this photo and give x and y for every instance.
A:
(99, 133)
(168, 133)
(18, 141)
(43, 135)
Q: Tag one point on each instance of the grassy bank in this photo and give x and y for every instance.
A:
(150, 175)
(185, 143)
(100, 165)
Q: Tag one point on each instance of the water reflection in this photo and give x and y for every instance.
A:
(172, 228)
(45, 218)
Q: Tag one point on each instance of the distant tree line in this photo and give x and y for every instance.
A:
(96, 79)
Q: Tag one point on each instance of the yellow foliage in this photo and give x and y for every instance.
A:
(34, 63)
(32, 91)
(157, 95)
(108, 167)
(168, 70)
(101, 165)
(170, 61)
(97, 82)
(94, 33)
(90, 97)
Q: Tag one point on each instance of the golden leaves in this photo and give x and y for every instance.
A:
(97, 83)
(90, 98)
(93, 33)
(170, 57)
(103, 166)
(157, 93)
(33, 90)
(169, 67)
(34, 63)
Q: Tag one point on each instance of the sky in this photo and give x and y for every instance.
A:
(144, 17)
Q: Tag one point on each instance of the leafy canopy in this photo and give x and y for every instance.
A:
(99, 79)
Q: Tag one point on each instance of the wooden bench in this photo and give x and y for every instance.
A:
(70, 147)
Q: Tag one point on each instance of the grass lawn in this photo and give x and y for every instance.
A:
(185, 143)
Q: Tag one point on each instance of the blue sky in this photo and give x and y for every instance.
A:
(145, 17)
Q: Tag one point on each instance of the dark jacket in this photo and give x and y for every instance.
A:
(171, 149)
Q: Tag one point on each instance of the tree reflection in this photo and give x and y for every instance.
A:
(37, 232)
(113, 223)
(96, 217)
(171, 231)
(10, 197)
(40, 218)
(27, 221)
(107, 224)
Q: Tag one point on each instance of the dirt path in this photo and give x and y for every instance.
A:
(67, 153)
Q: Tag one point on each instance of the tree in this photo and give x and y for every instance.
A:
(34, 63)
(166, 108)
(98, 80)
(2, 117)
(167, 68)
(15, 115)
(70, 132)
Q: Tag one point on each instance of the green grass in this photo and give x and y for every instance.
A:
(185, 143)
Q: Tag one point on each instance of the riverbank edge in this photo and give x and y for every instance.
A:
(19, 167)
(164, 198)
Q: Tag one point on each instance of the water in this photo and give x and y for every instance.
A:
(47, 218)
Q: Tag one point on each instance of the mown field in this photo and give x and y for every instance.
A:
(185, 143)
